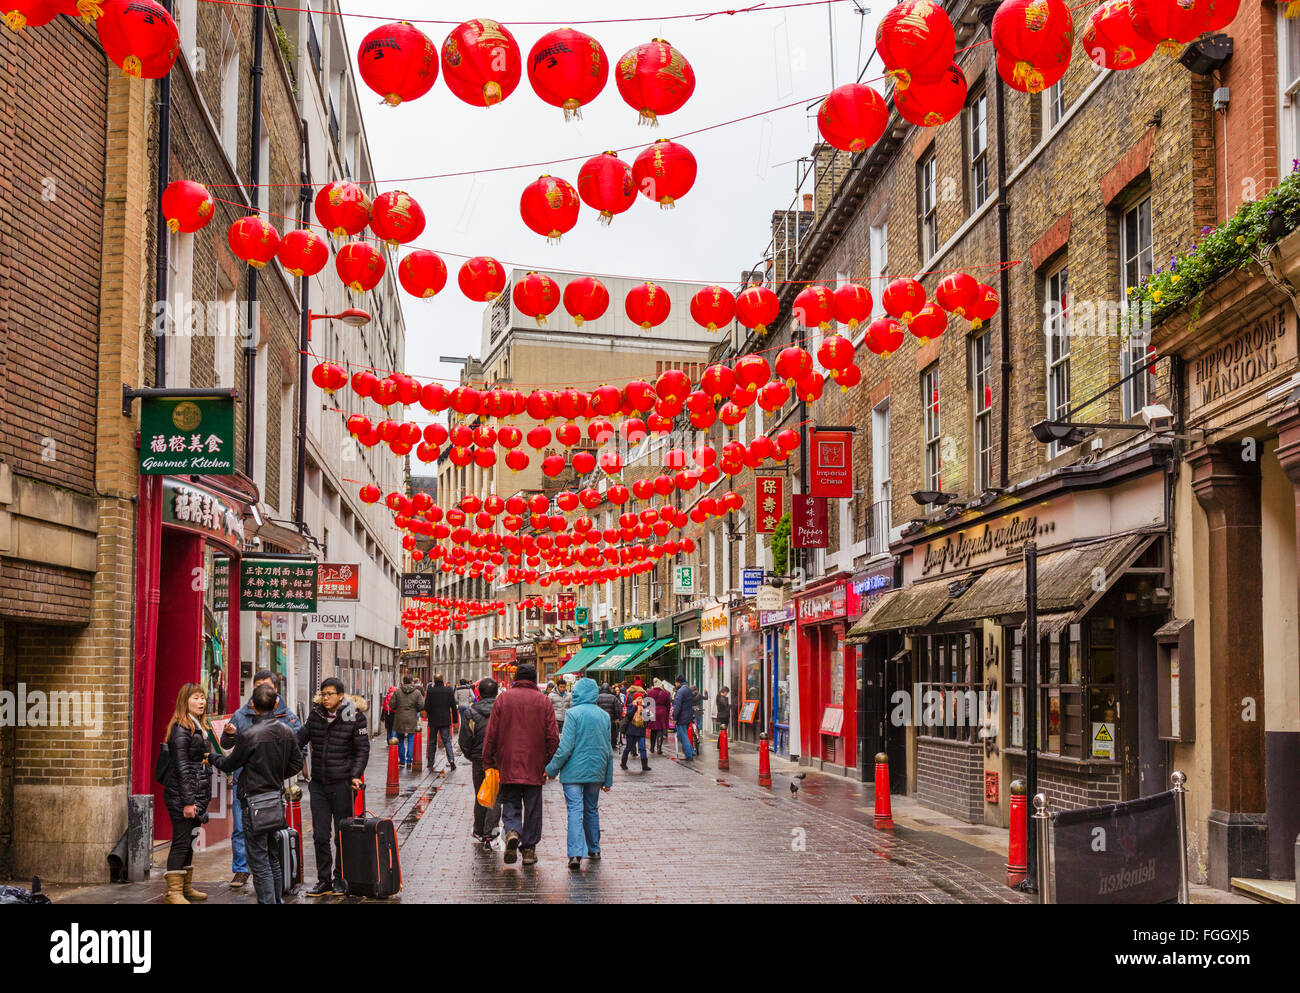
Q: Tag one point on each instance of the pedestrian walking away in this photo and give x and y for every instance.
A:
(440, 705)
(584, 764)
(521, 738)
(240, 721)
(464, 696)
(608, 702)
(266, 753)
(662, 708)
(340, 748)
(187, 788)
(473, 731)
(683, 716)
(407, 704)
(634, 725)
(386, 712)
(723, 705)
(699, 701)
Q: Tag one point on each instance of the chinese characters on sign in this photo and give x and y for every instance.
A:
(684, 579)
(196, 509)
(770, 502)
(221, 583)
(190, 436)
(830, 464)
(808, 526)
(567, 604)
(277, 584)
(340, 581)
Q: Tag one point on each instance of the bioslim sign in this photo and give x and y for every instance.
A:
(338, 623)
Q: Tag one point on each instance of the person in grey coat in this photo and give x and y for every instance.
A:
(408, 701)
(559, 700)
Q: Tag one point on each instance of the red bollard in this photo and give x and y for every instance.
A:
(392, 767)
(293, 808)
(417, 755)
(1018, 843)
(359, 800)
(723, 762)
(764, 763)
(884, 815)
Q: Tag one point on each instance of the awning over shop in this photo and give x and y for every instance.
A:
(584, 658)
(649, 652)
(909, 607)
(1067, 582)
(619, 654)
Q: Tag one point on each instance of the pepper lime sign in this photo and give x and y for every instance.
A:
(187, 436)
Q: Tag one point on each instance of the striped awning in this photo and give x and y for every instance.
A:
(649, 652)
(620, 654)
(583, 658)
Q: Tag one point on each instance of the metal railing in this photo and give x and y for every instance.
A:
(878, 524)
(313, 45)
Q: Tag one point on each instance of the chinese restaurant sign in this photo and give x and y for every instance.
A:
(221, 583)
(277, 584)
(809, 528)
(340, 581)
(566, 604)
(830, 464)
(187, 436)
(418, 585)
(770, 501)
(197, 509)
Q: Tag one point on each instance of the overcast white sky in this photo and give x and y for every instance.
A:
(743, 64)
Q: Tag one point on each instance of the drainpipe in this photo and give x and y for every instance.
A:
(255, 179)
(304, 338)
(164, 235)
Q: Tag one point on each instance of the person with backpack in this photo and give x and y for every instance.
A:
(584, 764)
(473, 730)
(608, 702)
(187, 788)
(266, 753)
(634, 722)
(407, 704)
(464, 697)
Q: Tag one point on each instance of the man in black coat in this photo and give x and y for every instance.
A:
(268, 753)
(473, 729)
(440, 705)
(608, 702)
(340, 748)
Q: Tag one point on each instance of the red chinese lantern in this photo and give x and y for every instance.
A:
(538, 437)
(772, 396)
(664, 172)
(549, 206)
(673, 385)
(853, 304)
(434, 398)
(570, 403)
(902, 298)
(1170, 24)
(809, 388)
(958, 293)
(654, 79)
(1047, 72)
(19, 14)
(398, 61)
(482, 278)
(485, 458)
(567, 69)
(586, 299)
(187, 206)
(553, 465)
(634, 430)
(1026, 33)
(536, 296)
(752, 371)
(358, 424)
(611, 463)
(396, 218)
(516, 461)
(422, 273)
(1112, 42)
(793, 363)
(647, 305)
(360, 265)
(1224, 13)
(717, 381)
(757, 307)
(787, 439)
(139, 36)
(852, 117)
(481, 62)
(986, 305)
(928, 322)
(884, 336)
(712, 307)
(343, 208)
(540, 405)
(836, 353)
(303, 252)
(814, 307)
(847, 377)
(929, 104)
(605, 184)
(364, 383)
(370, 493)
(252, 239)
(584, 462)
(329, 377)
(916, 42)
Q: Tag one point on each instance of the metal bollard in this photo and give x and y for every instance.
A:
(724, 762)
(764, 762)
(884, 814)
(1180, 811)
(1042, 824)
(392, 789)
(1018, 840)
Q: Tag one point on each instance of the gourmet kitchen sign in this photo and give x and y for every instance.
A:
(1249, 360)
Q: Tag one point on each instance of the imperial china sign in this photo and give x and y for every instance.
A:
(830, 464)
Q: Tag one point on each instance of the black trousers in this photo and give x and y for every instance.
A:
(521, 810)
(486, 819)
(331, 803)
(656, 739)
(184, 831)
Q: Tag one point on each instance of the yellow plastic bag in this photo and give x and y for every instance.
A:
(487, 793)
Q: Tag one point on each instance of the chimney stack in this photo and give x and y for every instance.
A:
(808, 202)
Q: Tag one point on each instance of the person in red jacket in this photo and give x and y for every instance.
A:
(521, 738)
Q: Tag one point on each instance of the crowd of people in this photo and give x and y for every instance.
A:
(527, 734)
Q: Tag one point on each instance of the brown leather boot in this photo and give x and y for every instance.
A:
(175, 887)
(190, 892)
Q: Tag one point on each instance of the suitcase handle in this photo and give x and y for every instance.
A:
(366, 811)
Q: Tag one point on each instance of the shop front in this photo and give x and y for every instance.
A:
(686, 631)
(501, 661)
(879, 677)
(828, 685)
(715, 652)
(548, 661)
(749, 692)
(628, 644)
(776, 627)
(525, 654)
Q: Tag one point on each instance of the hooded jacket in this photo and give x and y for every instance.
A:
(663, 706)
(473, 729)
(267, 752)
(608, 702)
(408, 701)
(584, 754)
(522, 734)
(339, 748)
(683, 705)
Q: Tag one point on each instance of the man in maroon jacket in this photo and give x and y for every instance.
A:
(521, 738)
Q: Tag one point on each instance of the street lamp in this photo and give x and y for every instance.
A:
(352, 317)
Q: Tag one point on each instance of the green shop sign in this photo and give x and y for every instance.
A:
(277, 584)
(187, 436)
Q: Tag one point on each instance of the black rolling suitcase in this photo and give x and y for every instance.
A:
(288, 844)
(368, 857)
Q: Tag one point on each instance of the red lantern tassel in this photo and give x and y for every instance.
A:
(573, 109)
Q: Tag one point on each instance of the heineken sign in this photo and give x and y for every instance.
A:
(187, 436)
(277, 584)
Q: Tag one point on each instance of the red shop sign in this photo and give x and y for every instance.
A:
(769, 502)
(826, 605)
(809, 527)
(339, 581)
(830, 464)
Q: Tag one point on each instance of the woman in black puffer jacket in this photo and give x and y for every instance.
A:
(187, 789)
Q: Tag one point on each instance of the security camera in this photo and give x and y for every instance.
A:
(1158, 418)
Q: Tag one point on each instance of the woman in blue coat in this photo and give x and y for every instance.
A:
(584, 764)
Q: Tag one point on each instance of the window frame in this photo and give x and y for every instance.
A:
(878, 237)
(931, 427)
(950, 663)
(1056, 326)
(928, 204)
(982, 408)
(1288, 95)
(977, 171)
(1135, 393)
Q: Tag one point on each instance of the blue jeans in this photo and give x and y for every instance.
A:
(268, 882)
(635, 737)
(405, 744)
(584, 818)
(684, 743)
(238, 850)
